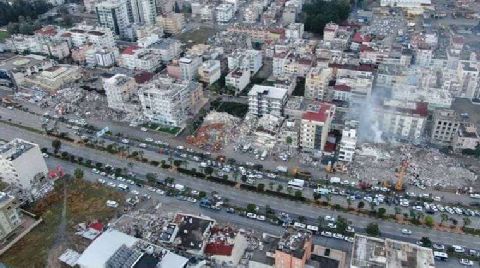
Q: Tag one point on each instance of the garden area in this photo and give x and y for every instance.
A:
(162, 128)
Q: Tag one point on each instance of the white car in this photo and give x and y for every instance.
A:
(135, 192)
(160, 192)
(338, 236)
(130, 182)
(112, 204)
(150, 140)
(329, 218)
(103, 174)
(151, 189)
(125, 141)
(438, 246)
(45, 155)
(111, 184)
(251, 215)
(349, 239)
(458, 249)
(406, 232)
(466, 262)
(350, 229)
(260, 217)
(102, 181)
(96, 171)
(142, 145)
(332, 225)
(144, 129)
(326, 234)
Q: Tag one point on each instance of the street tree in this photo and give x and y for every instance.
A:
(151, 177)
(426, 242)
(251, 208)
(443, 218)
(466, 221)
(208, 171)
(260, 187)
(56, 145)
(298, 194)
(373, 229)
(279, 188)
(361, 205)
(341, 224)
(78, 173)
(429, 221)
(381, 212)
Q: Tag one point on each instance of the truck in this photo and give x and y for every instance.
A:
(335, 180)
(282, 169)
(296, 184)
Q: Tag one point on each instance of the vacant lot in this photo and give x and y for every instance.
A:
(85, 202)
(196, 36)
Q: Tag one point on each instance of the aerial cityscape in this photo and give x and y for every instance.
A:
(239, 133)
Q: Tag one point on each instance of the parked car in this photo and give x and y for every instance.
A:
(326, 234)
(466, 262)
(112, 204)
(406, 232)
(438, 246)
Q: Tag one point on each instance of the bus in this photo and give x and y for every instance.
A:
(440, 255)
(296, 184)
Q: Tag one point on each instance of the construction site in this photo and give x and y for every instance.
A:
(217, 130)
(394, 165)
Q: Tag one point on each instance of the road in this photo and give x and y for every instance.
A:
(151, 153)
(245, 197)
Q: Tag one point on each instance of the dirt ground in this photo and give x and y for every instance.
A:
(41, 247)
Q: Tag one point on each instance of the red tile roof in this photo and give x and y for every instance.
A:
(96, 226)
(219, 248)
(421, 109)
(47, 31)
(342, 87)
(130, 50)
(359, 38)
(319, 116)
(143, 77)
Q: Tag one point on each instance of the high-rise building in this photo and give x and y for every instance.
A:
(113, 14)
(315, 126)
(209, 71)
(119, 90)
(264, 100)
(167, 102)
(9, 215)
(144, 11)
(189, 67)
(316, 83)
(445, 126)
(22, 164)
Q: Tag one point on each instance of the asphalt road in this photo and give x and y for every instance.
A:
(388, 228)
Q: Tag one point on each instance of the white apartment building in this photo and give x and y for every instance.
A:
(136, 58)
(119, 90)
(167, 102)
(402, 119)
(22, 165)
(468, 75)
(98, 36)
(316, 82)
(359, 80)
(405, 3)
(315, 125)
(294, 31)
(167, 48)
(264, 100)
(246, 59)
(10, 217)
(209, 71)
(104, 58)
(348, 144)
(445, 126)
(423, 56)
(238, 79)
(113, 14)
(234, 3)
(251, 14)
(224, 12)
(189, 67)
(173, 23)
(144, 11)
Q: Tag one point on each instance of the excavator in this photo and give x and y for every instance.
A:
(400, 173)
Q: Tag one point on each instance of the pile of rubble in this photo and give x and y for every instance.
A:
(426, 167)
(217, 130)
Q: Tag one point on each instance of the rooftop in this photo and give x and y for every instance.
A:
(389, 253)
(19, 62)
(293, 242)
(191, 230)
(268, 91)
(318, 111)
(15, 148)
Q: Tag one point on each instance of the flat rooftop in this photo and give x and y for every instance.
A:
(377, 252)
(15, 148)
(268, 91)
(190, 230)
(19, 62)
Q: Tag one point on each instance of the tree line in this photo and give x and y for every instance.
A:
(319, 13)
(21, 10)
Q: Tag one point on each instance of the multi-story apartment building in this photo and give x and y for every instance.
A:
(172, 23)
(167, 48)
(466, 137)
(209, 71)
(286, 64)
(136, 58)
(316, 83)
(445, 126)
(348, 145)
(10, 218)
(144, 11)
(83, 34)
(224, 12)
(358, 78)
(119, 90)
(293, 250)
(22, 164)
(189, 67)
(246, 59)
(400, 119)
(266, 100)
(167, 102)
(468, 75)
(294, 31)
(238, 79)
(315, 125)
(113, 14)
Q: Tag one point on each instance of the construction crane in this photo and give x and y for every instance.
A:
(401, 172)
